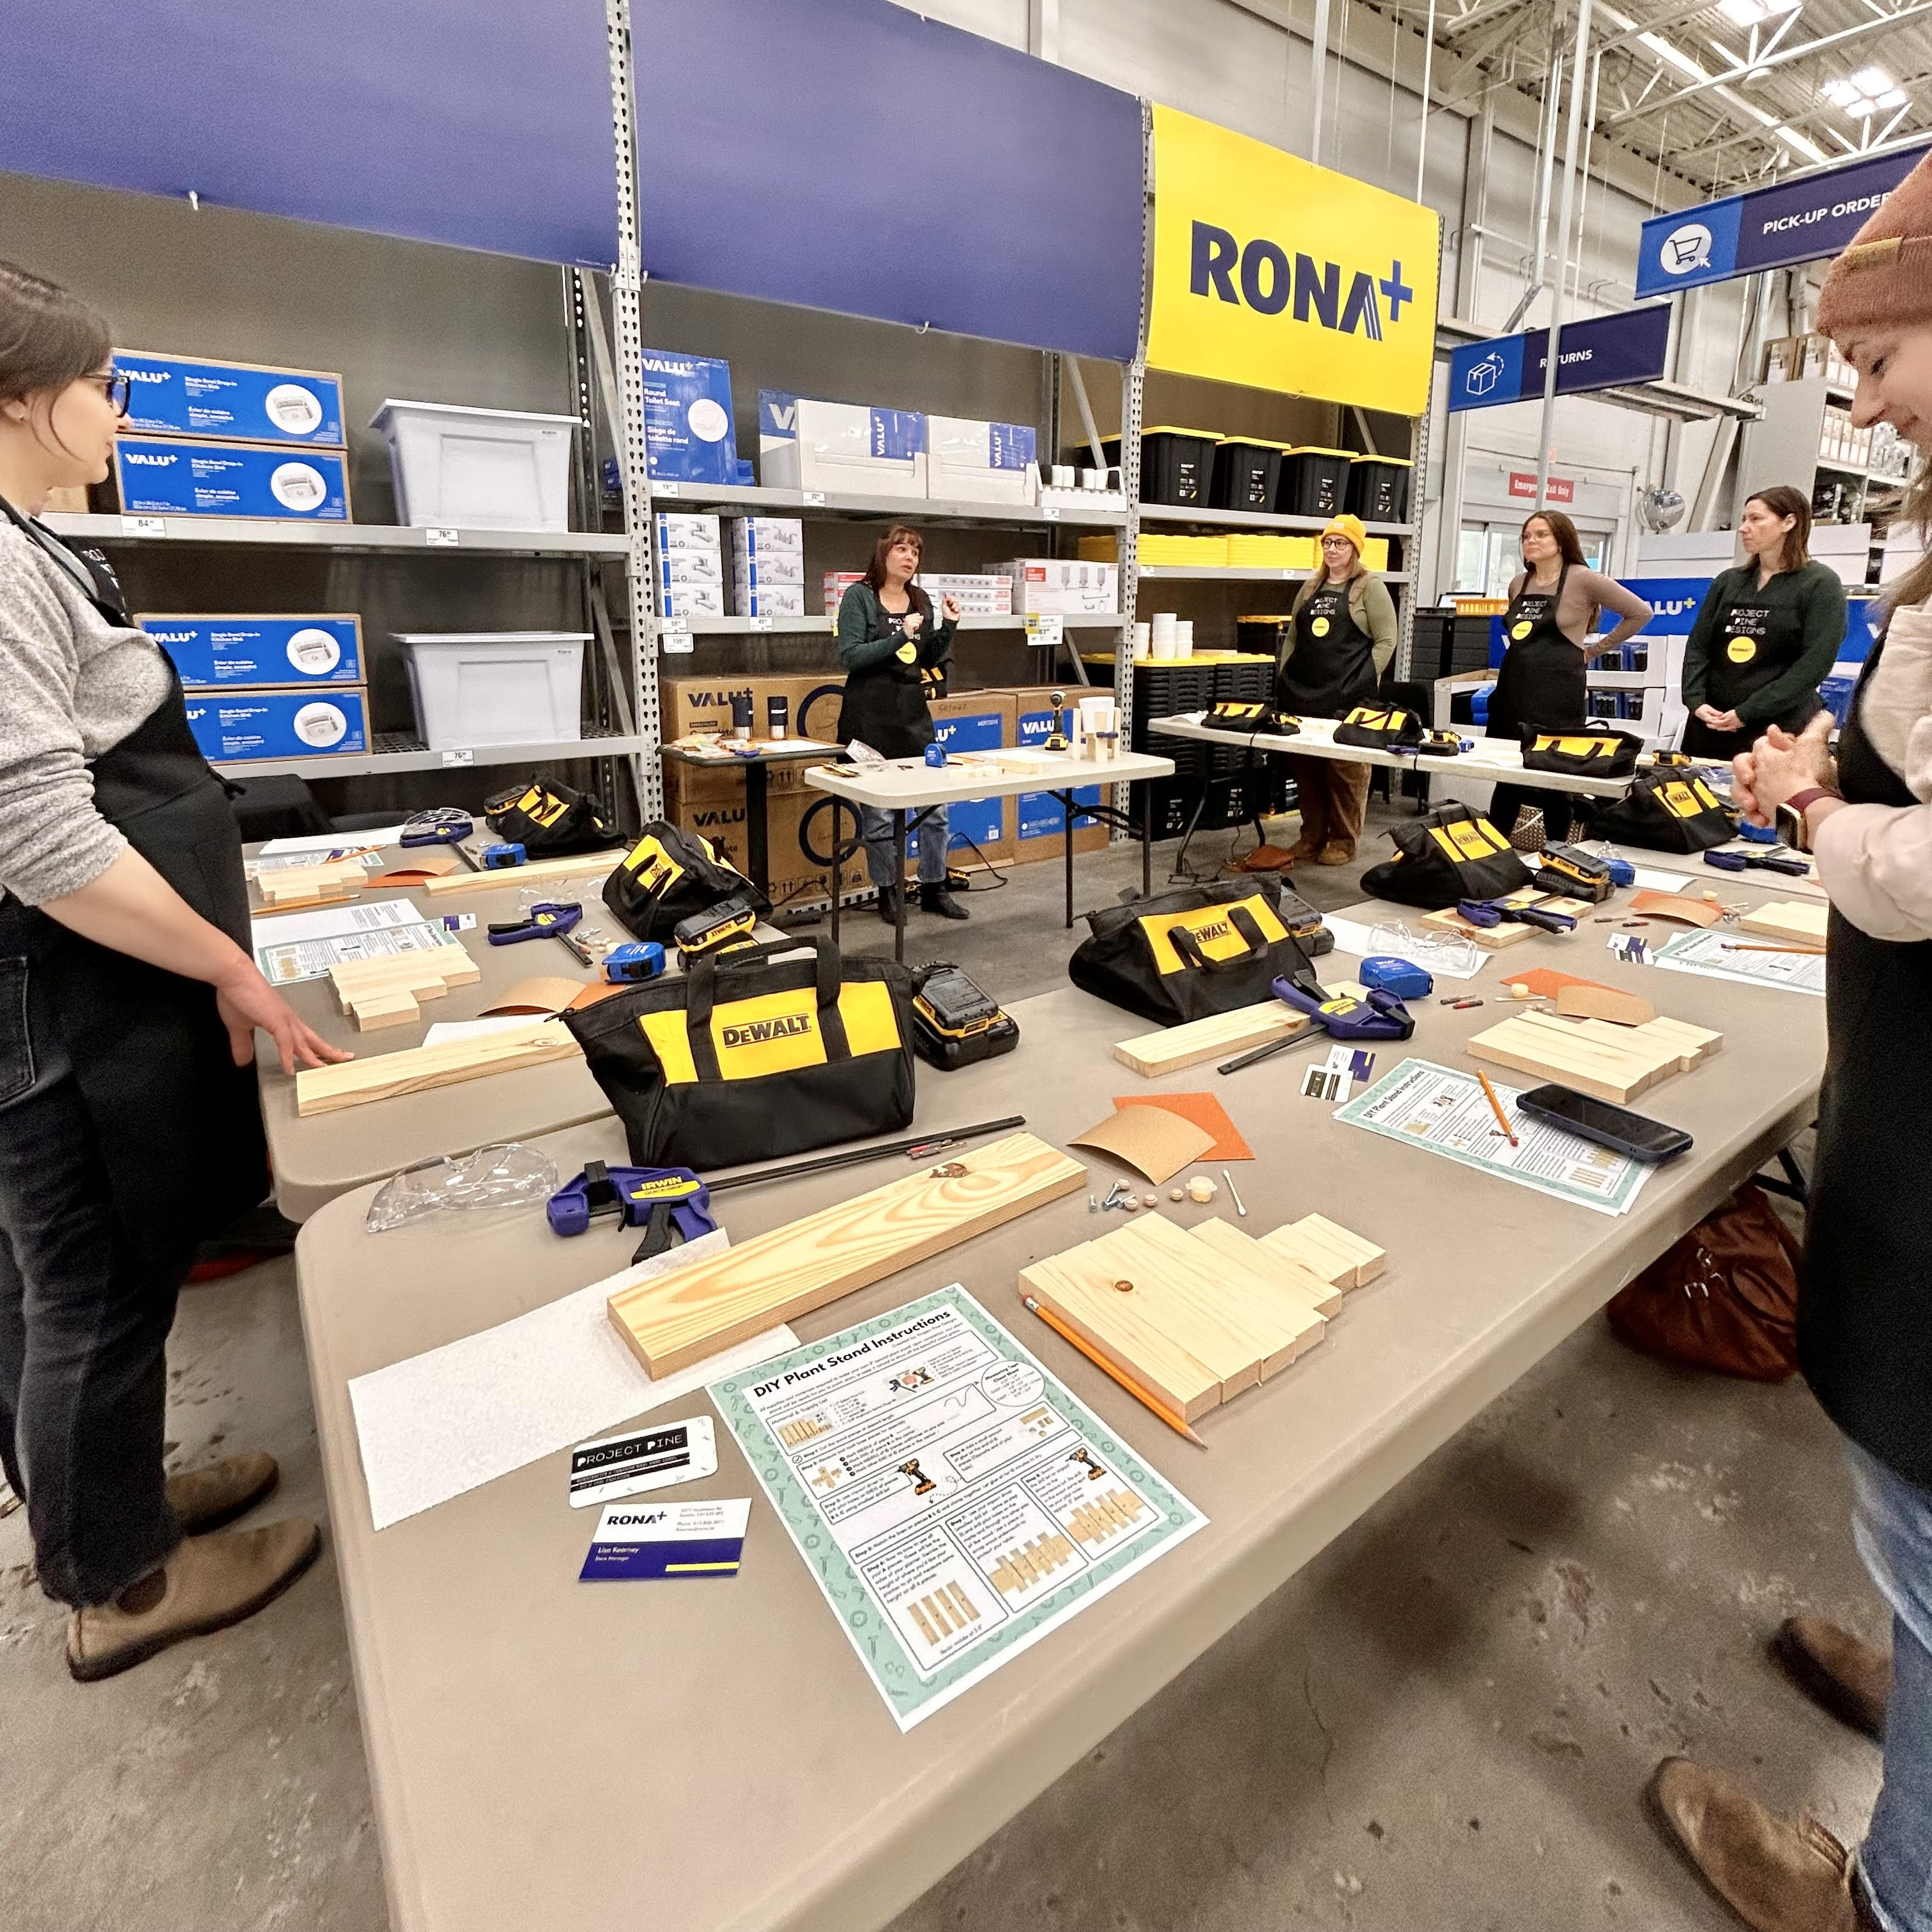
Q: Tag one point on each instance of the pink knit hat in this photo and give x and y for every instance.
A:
(1884, 279)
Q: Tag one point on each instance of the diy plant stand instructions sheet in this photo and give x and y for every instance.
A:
(953, 1500)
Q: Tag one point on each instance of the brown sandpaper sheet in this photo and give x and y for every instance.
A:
(1158, 1143)
(1206, 1112)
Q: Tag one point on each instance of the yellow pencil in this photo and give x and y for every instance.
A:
(1100, 1362)
(1496, 1107)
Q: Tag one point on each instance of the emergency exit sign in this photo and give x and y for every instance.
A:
(1559, 489)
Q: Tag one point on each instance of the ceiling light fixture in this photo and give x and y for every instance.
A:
(1869, 92)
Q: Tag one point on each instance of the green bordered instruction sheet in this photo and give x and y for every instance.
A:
(954, 1502)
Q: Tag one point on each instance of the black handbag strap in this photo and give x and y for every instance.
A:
(701, 998)
(1243, 921)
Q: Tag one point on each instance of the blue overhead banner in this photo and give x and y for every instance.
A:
(485, 123)
(1604, 352)
(852, 156)
(1800, 220)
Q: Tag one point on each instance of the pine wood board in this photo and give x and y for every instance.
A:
(1491, 938)
(1348, 1248)
(693, 1312)
(290, 888)
(386, 992)
(1288, 1274)
(416, 1069)
(1220, 1037)
(1259, 1284)
(582, 864)
(1801, 921)
(1558, 1051)
(1674, 1040)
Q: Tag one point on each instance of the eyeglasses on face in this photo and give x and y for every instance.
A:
(115, 385)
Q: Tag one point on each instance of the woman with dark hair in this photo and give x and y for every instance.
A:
(891, 651)
(129, 999)
(1766, 634)
(1554, 605)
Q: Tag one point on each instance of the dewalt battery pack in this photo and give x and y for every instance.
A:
(1574, 873)
(732, 923)
(954, 1024)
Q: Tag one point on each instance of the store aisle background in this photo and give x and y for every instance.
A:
(1445, 1720)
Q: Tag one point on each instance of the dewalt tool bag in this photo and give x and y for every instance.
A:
(550, 821)
(1204, 950)
(1381, 728)
(1448, 854)
(1668, 811)
(670, 876)
(762, 1051)
(1244, 720)
(1596, 752)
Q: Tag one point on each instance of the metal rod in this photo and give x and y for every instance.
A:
(855, 1156)
(1319, 80)
(1071, 364)
(1577, 113)
(1428, 70)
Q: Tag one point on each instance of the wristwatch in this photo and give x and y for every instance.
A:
(1791, 815)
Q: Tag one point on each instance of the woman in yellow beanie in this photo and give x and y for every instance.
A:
(1343, 638)
(1864, 1321)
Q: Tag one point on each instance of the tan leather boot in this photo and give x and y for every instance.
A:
(1336, 852)
(205, 1499)
(1849, 1678)
(1776, 1875)
(209, 1582)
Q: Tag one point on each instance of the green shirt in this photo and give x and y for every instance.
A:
(1819, 597)
(864, 638)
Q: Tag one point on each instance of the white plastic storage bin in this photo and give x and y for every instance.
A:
(481, 469)
(496, 687)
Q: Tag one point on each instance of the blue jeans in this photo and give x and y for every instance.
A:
(1891, 1520)
(881, 856)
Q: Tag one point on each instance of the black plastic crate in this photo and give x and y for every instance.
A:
(1378, 488)
(1242, 683)
(1247, 473)
(1230, 801)
(1314, 482)
(1177, 465)
(1267, 636)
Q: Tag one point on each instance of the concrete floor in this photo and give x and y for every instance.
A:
(1444, 1722)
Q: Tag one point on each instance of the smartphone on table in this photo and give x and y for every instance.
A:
(1608, 1125)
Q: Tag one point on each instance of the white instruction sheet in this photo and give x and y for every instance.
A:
(313, 847)
(955, 1503)
(1730, 952)
(295, 946)
(1445, 1112)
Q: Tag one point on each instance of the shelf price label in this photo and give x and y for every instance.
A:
(1046, 627)
(758, 623)
(666, 490)
(815, 499)
(436, 537)
(144, 526)
(463, 757)
(675, 635)
(1050, 512)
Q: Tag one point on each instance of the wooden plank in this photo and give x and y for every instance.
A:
(1802, 921)
(1116, 1328)
(584, 864)
(290, 888)
(1219, 1037)
(385, 992)
(1696, 1043)
(695, 1311)
(1666, 1050)
(1368, 1260)
(384, 1076)
(1289, 1275)
(1258, 1287)
(1569, 1058)
(1491, 938)
(1328, 1266)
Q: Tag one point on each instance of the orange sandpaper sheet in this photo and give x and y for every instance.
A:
(1544, 981)
(1206, 1112)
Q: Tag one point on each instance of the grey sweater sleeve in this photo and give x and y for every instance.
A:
(52, 840)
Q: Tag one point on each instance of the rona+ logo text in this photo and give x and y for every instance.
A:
(755, 1032)
(1261, 275)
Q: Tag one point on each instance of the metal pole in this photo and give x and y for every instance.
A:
(1578, 111)
(1428, 69)
(1071, 364)
(1545, 158)
(1320, 80)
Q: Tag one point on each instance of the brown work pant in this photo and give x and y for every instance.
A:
(1334, 799)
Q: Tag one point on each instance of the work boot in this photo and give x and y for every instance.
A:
(209, 1582)
(1336, 852)
(1849, 1678)
(937, 900)
(206, 1498)
(1777, 1876)
(889, 906)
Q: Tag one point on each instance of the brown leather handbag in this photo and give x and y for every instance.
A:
(1723, 1297)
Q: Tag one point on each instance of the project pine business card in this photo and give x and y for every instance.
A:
(642, 1458)
(668, 1540)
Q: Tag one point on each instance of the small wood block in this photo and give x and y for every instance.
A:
(293, 886)
(1491, 938)
(1802, 921)
(1603, 1003)
(1369, 1261)
(385, 1009)
(1696, 1043)
(384, 992)
(386, 1076)
(1563, 1051)
(1220, 1037)
(1293, 1276)
(584, 865)
(1284, 1326)
(1119, 1329)
(1260, 1286)
(1334, 1270)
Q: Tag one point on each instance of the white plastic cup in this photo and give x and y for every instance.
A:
(1161, 634)
(1143, 641)
(1063, 476)
(1183, 637)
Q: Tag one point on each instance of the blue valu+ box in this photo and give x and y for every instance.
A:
(185, 395)
(236, 726)
(246, 651)
(231, 479)
(688, 430)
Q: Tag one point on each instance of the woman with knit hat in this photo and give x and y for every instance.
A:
(1864, 1321)
(1342, 637)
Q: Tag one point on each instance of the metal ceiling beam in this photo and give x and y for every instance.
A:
(1784, 57)
(1671, 17)
(1483, 10)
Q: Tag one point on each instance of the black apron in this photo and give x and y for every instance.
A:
(1543, 680)
(1330, 666)
(1864, 1318)
(1754, 644)
(884, 705)
(178, 1124)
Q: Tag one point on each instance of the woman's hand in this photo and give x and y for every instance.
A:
(1720, 721)
(245, 1000)
(949, 608)
(1781, 764)
(912, 621)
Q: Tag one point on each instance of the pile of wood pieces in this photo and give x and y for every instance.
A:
(1595, 1056)
(291, 888)
(384, 992)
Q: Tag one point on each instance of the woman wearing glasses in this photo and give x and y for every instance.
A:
(129, 999)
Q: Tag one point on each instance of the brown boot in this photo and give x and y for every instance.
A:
(209, 1582)
(205, 1499)
(1336, 852)
(1777, 1876)
(1849, 1678)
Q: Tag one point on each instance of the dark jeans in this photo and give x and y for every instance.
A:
(84, 1322)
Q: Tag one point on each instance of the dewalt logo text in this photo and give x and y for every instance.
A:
(755, 1032)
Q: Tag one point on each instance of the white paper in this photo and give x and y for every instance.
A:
(266, 864)
(1653, 881)
(1351, 937)
(332, 842)
(445, 1031)
(290, 929)
(303, 946)
(1800, 970)
(447, 1421)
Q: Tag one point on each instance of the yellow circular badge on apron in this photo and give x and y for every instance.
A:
(1741, 650)
(1319, 627)
(907, 654)
(1521, 629)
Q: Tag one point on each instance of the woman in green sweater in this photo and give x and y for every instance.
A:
(892, 649)
(1767, 634)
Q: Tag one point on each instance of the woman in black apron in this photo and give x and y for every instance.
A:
(1766, 634)
(1342, 639)
(129, 1125)
(895, 658)
(1544, 683)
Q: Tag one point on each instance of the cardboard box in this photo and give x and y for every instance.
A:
(691, 600)
(847, 448)
(679, 568)
(777, 600)
(259, 652)
(692, 704)
(970, 460)
(1038, 823)
(244, 402)
(1073, 586)
(837, 583)
(776, 570)
(711, 801)
(978, 596)
(978, 720)
(687, 530)
(687, 434)
(759, 537)
(231, 479)
(243, 726)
